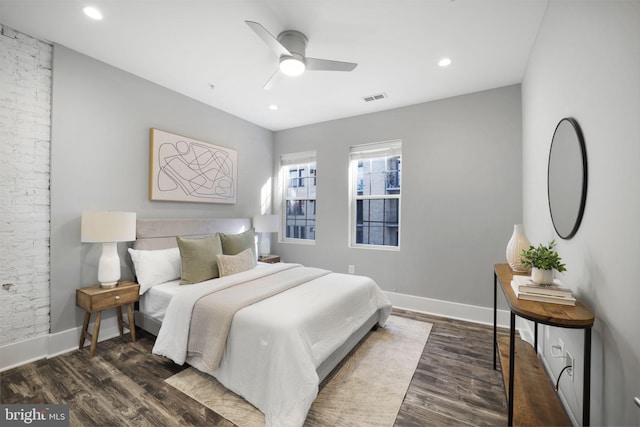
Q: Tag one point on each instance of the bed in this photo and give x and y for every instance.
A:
(278, 349)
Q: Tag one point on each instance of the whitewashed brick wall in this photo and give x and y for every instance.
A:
(25, 129)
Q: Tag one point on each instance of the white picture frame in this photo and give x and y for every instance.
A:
(183, 169)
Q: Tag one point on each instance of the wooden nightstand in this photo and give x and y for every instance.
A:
(95, 299)
(270, 259)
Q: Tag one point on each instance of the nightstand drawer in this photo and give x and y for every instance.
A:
(97, 299)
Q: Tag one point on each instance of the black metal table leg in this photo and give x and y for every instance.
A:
(535, 336)
(495, 318)
(512, 354)
(586, 391)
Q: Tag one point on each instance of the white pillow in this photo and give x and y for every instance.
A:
(232, 264)
(155, 267)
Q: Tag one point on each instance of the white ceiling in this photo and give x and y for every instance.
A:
(189, 45)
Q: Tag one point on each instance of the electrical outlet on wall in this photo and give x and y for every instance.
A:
(352, 269)
(570, 362)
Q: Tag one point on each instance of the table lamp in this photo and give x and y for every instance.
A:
(108, 228)
(265, 225)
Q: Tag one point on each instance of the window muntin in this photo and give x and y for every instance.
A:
(299, 210)
(376, 176)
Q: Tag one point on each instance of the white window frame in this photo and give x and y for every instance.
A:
(287, 160)
(370, 151)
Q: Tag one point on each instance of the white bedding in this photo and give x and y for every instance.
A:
(275, 345)
(155, 301)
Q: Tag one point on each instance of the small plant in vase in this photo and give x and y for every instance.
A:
(542, 260)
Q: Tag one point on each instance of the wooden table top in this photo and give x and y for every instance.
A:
(97, 289)
(566, 316)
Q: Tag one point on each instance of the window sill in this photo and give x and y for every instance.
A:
(307, 242)
(376, 247)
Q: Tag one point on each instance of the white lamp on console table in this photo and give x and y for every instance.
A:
(108, 228)
(265, 225)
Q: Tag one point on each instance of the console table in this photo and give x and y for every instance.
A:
(563, 316)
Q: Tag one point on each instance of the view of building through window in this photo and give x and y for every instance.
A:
(376, 176)
(300, 198)
(376, 218)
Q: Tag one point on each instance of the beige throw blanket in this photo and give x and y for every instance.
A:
(212, 315)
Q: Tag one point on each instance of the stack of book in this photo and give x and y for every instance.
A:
(556, 293)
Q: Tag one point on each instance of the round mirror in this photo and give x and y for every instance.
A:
(567, 178)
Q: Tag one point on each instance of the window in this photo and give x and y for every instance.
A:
(375, 180)
(299, 210)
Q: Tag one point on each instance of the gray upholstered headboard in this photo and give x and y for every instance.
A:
(161, 233)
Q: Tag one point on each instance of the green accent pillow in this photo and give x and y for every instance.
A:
(233, 244)
(199, 261)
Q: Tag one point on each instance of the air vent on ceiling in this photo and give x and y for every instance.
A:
(375, 97)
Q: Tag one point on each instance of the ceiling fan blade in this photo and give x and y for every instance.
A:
(273, 80)
(328, 65)
(271, 41)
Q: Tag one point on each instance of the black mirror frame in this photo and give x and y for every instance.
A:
(583, 196)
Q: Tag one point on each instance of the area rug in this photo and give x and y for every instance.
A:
(366, 389)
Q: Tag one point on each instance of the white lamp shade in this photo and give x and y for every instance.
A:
(266, 223)
(108, 226)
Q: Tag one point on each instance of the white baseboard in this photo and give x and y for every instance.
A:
(452, 310)
(51, 345)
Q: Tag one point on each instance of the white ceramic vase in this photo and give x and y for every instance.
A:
(541, 277)
(516, 244)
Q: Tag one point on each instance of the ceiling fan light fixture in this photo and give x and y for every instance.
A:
(291, 66)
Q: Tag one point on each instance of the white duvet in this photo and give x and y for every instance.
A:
(275, 345)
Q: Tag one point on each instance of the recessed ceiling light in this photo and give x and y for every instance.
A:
(273, 107)
(92, 13)
(444, 62)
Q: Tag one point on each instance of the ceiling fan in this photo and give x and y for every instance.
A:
(290, 47)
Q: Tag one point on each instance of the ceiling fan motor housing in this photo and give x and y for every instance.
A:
(295, 42)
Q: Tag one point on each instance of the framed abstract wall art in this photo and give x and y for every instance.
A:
(183, 169)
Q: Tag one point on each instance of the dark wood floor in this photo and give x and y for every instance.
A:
(455, 383)
(123, 385)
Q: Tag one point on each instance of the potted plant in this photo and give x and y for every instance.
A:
(542, 260)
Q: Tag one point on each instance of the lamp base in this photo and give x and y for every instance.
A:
(109, 266)
(108, 285)
(264, 244)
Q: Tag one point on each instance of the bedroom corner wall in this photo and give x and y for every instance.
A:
(25, 119)
(100, 161)
(586, 64)
(461, 195)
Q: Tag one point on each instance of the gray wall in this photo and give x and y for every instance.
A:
(586, 64)
(461, 193)
(100, 161)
